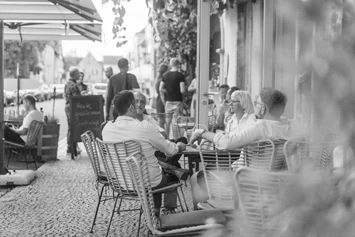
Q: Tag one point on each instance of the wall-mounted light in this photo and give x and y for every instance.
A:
(220, 51)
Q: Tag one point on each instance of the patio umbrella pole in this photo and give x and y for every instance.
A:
(2, 155)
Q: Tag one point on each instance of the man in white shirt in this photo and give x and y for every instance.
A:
(269, 108)
(18, 135)
(127, 127)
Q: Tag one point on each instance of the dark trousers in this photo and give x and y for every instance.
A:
(67, 112)
(12, 136)
(170, 198)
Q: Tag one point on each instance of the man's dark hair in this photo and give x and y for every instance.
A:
(122, 63)
(224, 86)
(122, 101)
(274, 100)
(232, 89)
(31, 99)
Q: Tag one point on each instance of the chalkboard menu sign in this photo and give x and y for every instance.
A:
(86, 114)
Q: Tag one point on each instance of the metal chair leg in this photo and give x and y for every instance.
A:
(139, 220)
(178, 195)
(97, 209)
(183, 196)
(113, 211)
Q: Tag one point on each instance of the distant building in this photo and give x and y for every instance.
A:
(92, 68)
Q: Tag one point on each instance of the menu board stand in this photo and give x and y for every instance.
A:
(86, 113)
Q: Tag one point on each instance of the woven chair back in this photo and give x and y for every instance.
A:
(138, 167)
(114, 158)
(90, 144)
(217, 166)
(258, 193)
(317, 154)
(184, 126)
(33, 133)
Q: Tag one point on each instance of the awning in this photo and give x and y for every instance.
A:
(44, 20)
(50, 20)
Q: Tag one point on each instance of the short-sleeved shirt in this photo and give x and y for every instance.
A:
(70, 89)
(27, 120)
(117, 83)
(172, 82)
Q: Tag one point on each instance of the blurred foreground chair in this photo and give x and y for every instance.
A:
(317, 155)
(219, 166)
(114, 158)
(180, 224)
(29, 150)
(257, 196)
(90, 144)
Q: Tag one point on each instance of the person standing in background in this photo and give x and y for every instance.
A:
(174, 84)
(108, 72)
(193, 88)
(119, 82)
(83, 88)
(159, 105)
(71, 89)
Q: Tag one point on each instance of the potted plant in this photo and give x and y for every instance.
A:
(50, 138)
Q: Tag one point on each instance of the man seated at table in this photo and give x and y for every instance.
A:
(127, 127)
(18, 135)
(268, 108)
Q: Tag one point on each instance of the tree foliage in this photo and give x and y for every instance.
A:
(25, 53)
(175, 28)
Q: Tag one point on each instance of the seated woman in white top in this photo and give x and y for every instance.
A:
(242, 108)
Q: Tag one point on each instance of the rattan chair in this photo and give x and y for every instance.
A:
(184, 126)
(114, 158)
(181, 224)
(218, 167)
(89, 141)
(28, 150)
(300, 153)
(257, 196)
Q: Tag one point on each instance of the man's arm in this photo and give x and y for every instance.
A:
(109, 97)
(182, 87)
(162, 144)
(20, 131)
(229, 141)
(161, 90)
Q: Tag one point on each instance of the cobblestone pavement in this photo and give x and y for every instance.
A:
(62, 201)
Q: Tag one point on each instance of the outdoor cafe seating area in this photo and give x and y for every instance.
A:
(243, 185)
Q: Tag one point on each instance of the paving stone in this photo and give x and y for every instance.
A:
(62, 202)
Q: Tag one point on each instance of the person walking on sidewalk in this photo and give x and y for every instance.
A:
(71, 89)
(119, 82)
(171, 91)
(18, 135)
(127, 127)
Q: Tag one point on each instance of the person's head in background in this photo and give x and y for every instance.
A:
(108, 72)
(141, 101)
(230, 92)
(241, 103)
(270, 104)
(125, 104)
(29, 102)
(174, 64)
(123, 64)
(162, 69)
(81, 78)
(74, 73)
(223, 89)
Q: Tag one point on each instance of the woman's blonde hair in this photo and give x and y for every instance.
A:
(245, 101)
